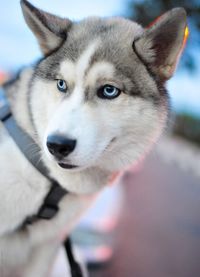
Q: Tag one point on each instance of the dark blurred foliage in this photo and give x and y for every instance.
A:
(145, 11)
(187, 126)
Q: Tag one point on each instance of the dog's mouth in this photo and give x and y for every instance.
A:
(67, 166)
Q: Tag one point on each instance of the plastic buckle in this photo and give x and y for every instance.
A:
(47, 212)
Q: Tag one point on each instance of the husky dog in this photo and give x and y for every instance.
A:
(95, 103)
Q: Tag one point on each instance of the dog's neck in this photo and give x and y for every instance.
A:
(85, 181)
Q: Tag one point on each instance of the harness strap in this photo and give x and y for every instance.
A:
(75, 267)
(22, 139)
(25, 143)
(49, 207)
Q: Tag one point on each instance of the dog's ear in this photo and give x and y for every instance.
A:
(49, 30)
(161, 44)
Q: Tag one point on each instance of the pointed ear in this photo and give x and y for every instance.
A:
(160, 45)
(49, 30)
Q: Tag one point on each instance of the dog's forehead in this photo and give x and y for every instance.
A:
(115, 34)
(76, 69)
(96, 26)
(98, 43)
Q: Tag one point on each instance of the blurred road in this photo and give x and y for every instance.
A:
(159, 230)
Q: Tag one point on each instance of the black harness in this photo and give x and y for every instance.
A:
(50, 207)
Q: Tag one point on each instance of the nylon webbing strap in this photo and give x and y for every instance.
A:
(50, 206)
(26, 144)
(75, 267)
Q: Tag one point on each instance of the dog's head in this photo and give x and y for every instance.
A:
(97, 96)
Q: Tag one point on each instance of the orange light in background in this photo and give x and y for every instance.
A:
(186, 34)
(3, 77)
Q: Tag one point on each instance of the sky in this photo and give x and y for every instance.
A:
(18, 46)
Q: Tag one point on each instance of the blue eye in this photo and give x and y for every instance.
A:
(108, 92)
(61, 85)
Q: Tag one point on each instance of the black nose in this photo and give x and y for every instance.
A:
(60, 146)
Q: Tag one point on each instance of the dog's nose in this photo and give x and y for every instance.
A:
(60, 146)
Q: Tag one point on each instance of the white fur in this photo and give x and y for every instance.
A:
(80, 121)
(100, 70)
(21, 195)
(94, 124)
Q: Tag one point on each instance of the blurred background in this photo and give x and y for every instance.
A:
(148, 224)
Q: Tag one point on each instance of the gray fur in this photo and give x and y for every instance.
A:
(50, 30)
(160, 45)
(116, 36)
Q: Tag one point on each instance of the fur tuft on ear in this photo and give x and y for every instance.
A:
(161, 45)
(49, 30)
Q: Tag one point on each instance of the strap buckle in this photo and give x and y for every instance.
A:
(47, 212)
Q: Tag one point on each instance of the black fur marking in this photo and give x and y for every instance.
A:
(53, 63)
